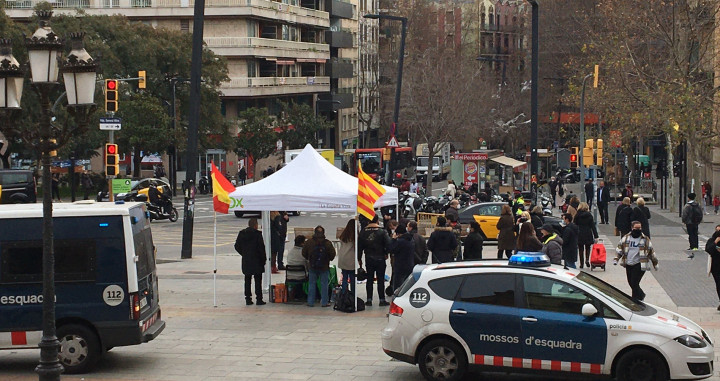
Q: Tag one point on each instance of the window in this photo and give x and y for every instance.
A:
(145, 250)
(251, 28)
(495, 289)
(22, 261)
(489, 210)
(552, 295)
(446, 288)
(185, 25)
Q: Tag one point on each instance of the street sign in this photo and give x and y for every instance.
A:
(121, 186)
(392, 143)
(112, 124)
(475, 156)
(556, 145)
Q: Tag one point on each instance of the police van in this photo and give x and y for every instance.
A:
(527, 315)
(105, 279)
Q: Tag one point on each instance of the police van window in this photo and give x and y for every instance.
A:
(611, 292)
(22, 261)
(144, 248)
(495, 289)
(446, 288)
(551, 295)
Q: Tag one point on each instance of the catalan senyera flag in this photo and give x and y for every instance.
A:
(369, 191)
(221, 190)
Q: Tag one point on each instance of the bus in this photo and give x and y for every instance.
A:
(374, 165)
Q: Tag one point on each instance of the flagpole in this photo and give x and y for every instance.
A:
(355, 286)
(214, 258)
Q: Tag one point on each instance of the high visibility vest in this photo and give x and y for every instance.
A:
(550, 238)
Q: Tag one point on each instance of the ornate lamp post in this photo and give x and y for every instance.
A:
(44, 51)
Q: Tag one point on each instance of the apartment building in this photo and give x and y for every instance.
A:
(277, 51)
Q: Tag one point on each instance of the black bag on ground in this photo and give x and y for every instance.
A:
(344, 303)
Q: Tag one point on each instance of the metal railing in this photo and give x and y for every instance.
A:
(258, 42)
(246, 82)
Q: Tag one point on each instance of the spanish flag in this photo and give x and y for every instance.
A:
(221, 190)
(369, 191)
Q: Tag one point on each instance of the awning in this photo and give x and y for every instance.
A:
(510, 162)
(285, 62)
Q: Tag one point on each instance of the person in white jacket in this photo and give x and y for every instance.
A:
(346, 257)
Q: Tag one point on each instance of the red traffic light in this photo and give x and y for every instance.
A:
(111, 84)
(573, 157)
(111, 149)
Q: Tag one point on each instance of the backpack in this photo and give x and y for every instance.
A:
(345, 303)
(697, 214)
(318, 257)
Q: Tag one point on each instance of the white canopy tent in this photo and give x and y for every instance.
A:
(308, 183)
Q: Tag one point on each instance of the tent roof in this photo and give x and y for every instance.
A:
(508, 161)
(308, 183)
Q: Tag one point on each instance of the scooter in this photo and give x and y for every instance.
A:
(412, 204)
(546, 204)
(204, 185)
(165, 211)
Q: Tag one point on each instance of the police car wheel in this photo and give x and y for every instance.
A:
(79, 348)
(442, 359)
(641, 365)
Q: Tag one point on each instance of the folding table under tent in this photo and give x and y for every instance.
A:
(309, 183)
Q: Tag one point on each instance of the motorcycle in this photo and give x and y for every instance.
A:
(412, 204)
(165, 210)
(204, 185)
(546, 204)
(429, 205)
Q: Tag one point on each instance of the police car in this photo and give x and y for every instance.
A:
(525, 314)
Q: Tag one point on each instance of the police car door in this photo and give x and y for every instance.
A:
(486, 317)
(554, 329)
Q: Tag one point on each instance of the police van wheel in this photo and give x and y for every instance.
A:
(442, 359)
(79, 348)
(641, 365)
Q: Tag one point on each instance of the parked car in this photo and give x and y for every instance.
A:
(487, 215)
(18, 186)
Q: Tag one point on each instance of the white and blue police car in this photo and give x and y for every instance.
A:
(528, 315)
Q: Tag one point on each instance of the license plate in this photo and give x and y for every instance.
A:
(143, 302)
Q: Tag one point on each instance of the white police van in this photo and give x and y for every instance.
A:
(527, 315)
(106, 282)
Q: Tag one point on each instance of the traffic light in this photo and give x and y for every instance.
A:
(599, 152)
(141, 81)
(53, 153)
(111, 95)
(112, 160)
(590, 143)
(588, 156)
(573, 157)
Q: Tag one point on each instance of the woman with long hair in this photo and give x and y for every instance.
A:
(346, 256)
(587, 234)
(527, 239)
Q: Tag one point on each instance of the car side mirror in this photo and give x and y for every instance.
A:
(588, 310)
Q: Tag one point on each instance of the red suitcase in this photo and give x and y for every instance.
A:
(598, 256)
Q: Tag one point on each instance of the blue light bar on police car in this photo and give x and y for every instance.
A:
(529, 259)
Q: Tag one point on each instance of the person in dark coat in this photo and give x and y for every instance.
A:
(506, 237)
(570, 241)
(552, 244)
(589, 192)
(527, 239)
(278, 230)
(442, 242)
(421, 251)
(641, 213)
(374, 242)
(537, 218)
(402, 249)
(587, 233)
(318, 270)
(623, 217)
(87, 184)
(242, 175)
(473, 243)
(603, 200)
(711, 247)
(249, 244)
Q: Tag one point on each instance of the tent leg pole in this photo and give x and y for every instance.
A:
(354, 286)
(266, 238)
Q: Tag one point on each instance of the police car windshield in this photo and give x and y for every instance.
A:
(611, 292)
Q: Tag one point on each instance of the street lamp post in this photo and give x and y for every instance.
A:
(173, 150)
(398, 88)
(534, 93)
(79, 72)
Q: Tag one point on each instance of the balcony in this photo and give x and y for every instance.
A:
(346, 101)
(264, 86)
(339, 9)
(339, 69)
(22, 9)
(339, 39)
(266, 47)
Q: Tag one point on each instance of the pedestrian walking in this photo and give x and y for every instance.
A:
(552, 244)
(451, 189)
(553, 189)
(346, 257)
(712, 247)
(603, 201)
(473, 245)
(570, 235)
(527, 239)
(692, 216)
(442, 242)
(249, 244)
(87, 184)
(587, 233)
(623, 217)
(242, 175)
(278, 234)
(421, 251)
(506, 237)
(374, 242)
(319, 251)
(55, 186)
(641, 213)
(635, 253)
(716, 203)
(627, 192)
(589, 192)
(402, 249)
(573, 205)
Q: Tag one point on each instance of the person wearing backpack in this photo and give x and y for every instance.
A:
(319, 251)
(374, 242)
(692, 216)
(249, 244)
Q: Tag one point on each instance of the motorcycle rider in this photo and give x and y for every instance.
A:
(158, 198)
